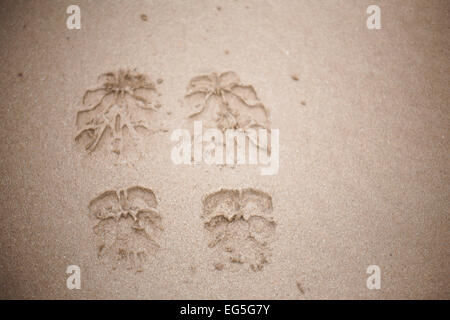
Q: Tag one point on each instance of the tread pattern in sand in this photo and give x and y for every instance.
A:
(118, 109)
(222, 101)
(127, 227)
(240, 227)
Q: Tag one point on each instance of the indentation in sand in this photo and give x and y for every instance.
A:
(240, 227)
(222, 101)
(122, 105)
(127, 227)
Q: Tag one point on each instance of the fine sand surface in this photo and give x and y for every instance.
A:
(363, 117)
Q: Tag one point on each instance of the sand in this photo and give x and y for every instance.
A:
(363, 117)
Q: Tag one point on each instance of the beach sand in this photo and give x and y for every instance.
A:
(363, 117)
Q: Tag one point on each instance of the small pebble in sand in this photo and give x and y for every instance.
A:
(20, 74)
(294, 77)
(300, 288)
(144, 17)
(159, 81)
(227, 52)
(303, 103)
(219, 266)
(219, 8)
